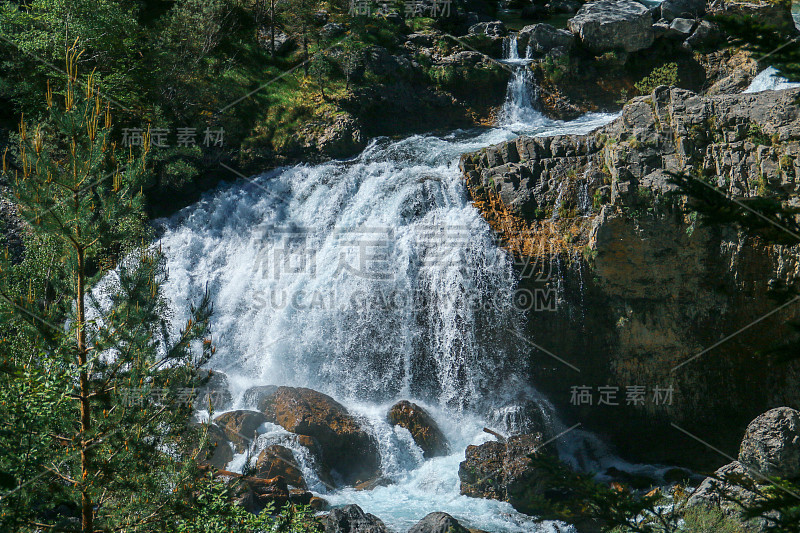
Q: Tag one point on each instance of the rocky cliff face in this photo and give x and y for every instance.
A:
(647, 295)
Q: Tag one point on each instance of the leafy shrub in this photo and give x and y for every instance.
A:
(666, 74)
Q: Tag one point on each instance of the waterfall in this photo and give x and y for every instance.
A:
(373, 279)
(519, 108)
(510, 48)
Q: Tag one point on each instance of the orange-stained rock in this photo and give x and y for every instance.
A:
(240, 427)
(423, 428)
(278, 460)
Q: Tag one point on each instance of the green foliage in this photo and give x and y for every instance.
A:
(214, 511)
(85, 447)
(575, 497)
(666, 74)
(557, 69)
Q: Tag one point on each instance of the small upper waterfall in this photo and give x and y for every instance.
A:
(510, 48)
(519, 108)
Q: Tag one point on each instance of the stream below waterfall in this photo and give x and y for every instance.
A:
(374, 279)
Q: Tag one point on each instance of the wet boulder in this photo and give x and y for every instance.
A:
(605, 25)
(240, 427)
(352, 519)
(277, 460)
(253, 396)
(771, 444)
(423, 428)
(344, 446)
(438, 523)
(504, 471)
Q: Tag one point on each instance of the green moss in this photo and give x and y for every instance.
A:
(703, 519)
(756, 135)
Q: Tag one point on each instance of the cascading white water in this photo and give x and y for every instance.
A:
(519, 109)
(373, 280)
(769, 80)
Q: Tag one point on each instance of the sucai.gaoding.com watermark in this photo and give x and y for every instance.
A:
(441, 254)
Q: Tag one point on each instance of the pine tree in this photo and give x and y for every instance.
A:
(108, 431)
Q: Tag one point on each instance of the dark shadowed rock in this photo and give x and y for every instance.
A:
(215, 392)
(672, 9)
(423, 428)
(240, 427)
(503, 471)
(706, 34)
(283, 42)
(438, 523)
(613, 25)
(564, 6)
(344, 446)
(278, 460)
(352, 519)
(771, 444)
(221, 453)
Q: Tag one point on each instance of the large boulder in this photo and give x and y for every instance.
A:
(240, 427)
(277, 460)
(423, 428)
(542, 39)
(438, 523)
(352, 519)
(672, 9)
(771, 444)
(504, 471)
(613, 25)
(345, 447)
(715, 491)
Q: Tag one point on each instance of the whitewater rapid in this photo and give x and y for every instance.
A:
(372, 279)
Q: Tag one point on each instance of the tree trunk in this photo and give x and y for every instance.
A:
(87, 512)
